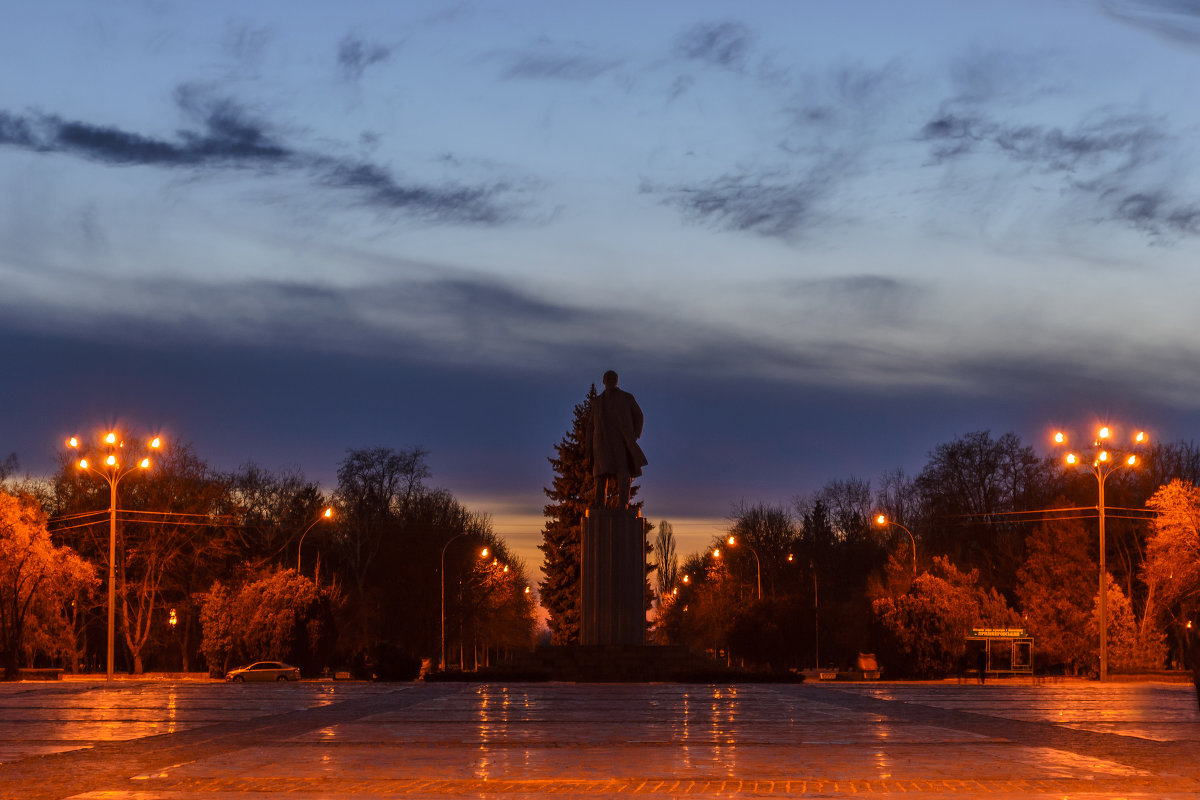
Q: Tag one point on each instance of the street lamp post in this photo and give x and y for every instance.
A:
(326, 514)
(883, 520)
(757, 564)
(1104, 462)
(442, 582)
(816, 620)
(111, 471)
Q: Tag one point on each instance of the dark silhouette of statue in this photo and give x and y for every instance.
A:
(616, 425)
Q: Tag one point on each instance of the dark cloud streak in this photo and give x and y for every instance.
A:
(229, 137)
(379, 189)
(722, 44)
(543, 62)
(771, 205)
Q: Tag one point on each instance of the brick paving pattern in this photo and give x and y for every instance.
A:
(136, 740)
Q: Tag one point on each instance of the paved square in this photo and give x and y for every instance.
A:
(154, 739)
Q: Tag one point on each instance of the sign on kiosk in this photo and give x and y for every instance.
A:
(999, 633)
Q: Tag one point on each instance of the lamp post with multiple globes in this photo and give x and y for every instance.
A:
(109, 465)
(1105, 459)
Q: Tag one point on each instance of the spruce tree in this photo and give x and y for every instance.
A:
(570, 495)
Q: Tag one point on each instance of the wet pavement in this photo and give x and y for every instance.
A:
(135, 740)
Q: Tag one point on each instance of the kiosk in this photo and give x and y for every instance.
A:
(1009, 650)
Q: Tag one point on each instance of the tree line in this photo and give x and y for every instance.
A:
(217, 568)
(988, 534)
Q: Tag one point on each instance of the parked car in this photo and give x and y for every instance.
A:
(264, 671)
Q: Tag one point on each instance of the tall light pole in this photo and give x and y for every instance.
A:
(442, 582)
(112, 471)
(1105, 461)
(757, 564)
(326, 514)
(882, 520)
(812, 566)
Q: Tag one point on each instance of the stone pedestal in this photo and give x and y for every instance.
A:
(613, 578)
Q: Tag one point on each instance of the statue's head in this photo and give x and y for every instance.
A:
(610, 379)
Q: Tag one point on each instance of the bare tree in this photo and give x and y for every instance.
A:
(666, 563)
(376, 486)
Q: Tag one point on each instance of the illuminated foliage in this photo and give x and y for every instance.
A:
(1057, 589)
(1172, 566)
(1131, 647)
(38, 584)
(281, 616)
(928, 626)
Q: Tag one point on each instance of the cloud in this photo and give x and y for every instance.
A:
(227, 136)
(451, 319)
(1156, 213)
(1111, 162)
(772, 205)
(355, 54)
(545, 62)
(17, 131)
(722, 44)
(378, 188)
(1178, 20)
(1128, 139)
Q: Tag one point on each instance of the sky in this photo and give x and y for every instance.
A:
(815, 239)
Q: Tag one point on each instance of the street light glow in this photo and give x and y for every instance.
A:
(1104, 463)
(717, 552)
(731, 540)
(1059, 437)
(328, 513)
(881, 520)
(112, 472)
(483, 553)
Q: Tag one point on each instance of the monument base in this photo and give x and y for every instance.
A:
(616, 663)
(612, 578)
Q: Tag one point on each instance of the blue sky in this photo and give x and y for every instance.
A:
(815, 239)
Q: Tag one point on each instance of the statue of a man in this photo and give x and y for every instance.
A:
(616, 425)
